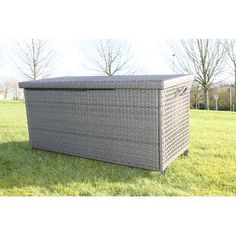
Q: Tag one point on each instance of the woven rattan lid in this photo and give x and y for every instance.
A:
(109, 82)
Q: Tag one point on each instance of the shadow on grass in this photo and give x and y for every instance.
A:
(21, 166)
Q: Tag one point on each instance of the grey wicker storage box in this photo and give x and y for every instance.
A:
(140, 121)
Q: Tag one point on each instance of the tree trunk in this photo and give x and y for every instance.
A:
(195, 101)
(235, 91)
(206, 98)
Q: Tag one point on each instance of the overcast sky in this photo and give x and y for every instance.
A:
(150, 55)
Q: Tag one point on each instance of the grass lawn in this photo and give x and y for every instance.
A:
(209, 170)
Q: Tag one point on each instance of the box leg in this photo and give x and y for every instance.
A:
(186, 153)
(164, 172)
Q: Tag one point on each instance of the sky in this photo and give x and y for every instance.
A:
(150, 55)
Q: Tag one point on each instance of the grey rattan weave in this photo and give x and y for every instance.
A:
(140, 121)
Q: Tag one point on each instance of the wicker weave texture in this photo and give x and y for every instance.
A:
(118, 126)
(109, 82)
(174, 123)
(146, 128)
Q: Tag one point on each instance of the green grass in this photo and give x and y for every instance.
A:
(209, 170)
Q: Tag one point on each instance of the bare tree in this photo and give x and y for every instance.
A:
(204, 58)
(111, 57)
(34, 58)
(15, 90)
(195, 95)
(5, 89)
(10, 89)
(231, 51)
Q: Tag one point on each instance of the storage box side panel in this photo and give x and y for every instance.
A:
(160, 129)
(174, 125)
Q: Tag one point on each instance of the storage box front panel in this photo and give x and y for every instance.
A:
(174, 122)
(118, 126)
